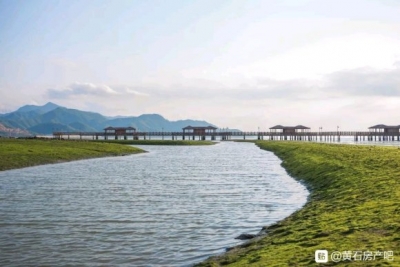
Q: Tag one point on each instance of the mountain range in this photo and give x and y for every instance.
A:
(51, 117)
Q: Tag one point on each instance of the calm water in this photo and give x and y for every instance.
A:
(174, 206)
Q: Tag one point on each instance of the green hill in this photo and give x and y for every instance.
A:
(51, 117)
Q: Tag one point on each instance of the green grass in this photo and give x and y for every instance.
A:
(159, 142)
(354, 204)
(19, 153)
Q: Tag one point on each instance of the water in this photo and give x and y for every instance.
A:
(174, 206)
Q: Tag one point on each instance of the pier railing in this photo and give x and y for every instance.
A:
(227, 135)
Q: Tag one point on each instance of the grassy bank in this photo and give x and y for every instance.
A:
(19, 153)
(159, 142)
(354, 205)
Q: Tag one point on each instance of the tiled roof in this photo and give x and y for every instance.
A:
(200, 127)
(279, 127)
(119, 128)
(383, 126)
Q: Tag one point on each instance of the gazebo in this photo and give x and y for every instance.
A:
(119, 131)
(382, 128)
(289, 129)
(200, 131)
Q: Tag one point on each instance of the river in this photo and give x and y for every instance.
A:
(173, 206)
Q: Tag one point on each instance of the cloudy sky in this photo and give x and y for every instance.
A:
(238, 64)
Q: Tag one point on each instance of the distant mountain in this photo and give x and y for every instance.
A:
(39, 109)
(51, 117)
(68, 116)
(49, 127)
(155, 122)
(6, 131)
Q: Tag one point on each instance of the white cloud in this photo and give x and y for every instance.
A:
(366, 81)
(91, 89)
(77, 88)
(135, 92)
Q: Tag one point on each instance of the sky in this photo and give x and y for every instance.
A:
(237, 64)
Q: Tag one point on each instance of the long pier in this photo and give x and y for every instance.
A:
(332, 136)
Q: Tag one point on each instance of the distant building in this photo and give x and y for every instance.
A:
(199, 130)
(119, 130)
(382, 128)
(289, 129)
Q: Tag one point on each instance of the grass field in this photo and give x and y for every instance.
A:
(19, 153)
(354, 205)
(159, 142)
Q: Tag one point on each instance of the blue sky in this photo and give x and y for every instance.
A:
(239, 64)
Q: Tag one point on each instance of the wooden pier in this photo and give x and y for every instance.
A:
(328, 136)
(376, 133)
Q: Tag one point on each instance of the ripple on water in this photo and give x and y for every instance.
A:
(173, 206)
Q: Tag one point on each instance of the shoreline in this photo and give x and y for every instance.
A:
(352, 206)
(23, 153)
(29, 152)
(159, 142)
